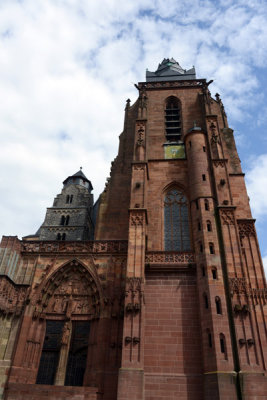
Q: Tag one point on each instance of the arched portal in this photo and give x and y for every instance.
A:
(70, 300)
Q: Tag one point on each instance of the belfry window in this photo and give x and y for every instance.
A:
(176, 222)
(173, 119)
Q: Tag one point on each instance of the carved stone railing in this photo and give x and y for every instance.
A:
(98, 246)
(12, 296)
(166, 260)
(167, 84)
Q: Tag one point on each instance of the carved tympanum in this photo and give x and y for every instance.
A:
(70, 291)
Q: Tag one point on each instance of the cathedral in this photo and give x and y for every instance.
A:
(156, 291)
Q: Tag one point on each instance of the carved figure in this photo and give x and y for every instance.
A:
(65, 333)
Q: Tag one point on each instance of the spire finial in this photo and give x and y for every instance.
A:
(81, 168)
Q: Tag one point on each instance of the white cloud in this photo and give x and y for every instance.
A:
(67, 68)
(264, 260)
(256, 179)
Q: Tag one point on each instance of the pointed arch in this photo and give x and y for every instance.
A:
(72, 289)
(176, 220)
(68, 300)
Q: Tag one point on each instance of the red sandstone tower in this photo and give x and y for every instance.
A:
(169, 300)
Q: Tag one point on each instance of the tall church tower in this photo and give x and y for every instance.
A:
(193, 261)
(70, 218)
(169, 299)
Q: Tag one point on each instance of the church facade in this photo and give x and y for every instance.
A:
(156, 291)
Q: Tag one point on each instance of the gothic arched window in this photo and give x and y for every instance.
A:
(173, 119)
(176, 222)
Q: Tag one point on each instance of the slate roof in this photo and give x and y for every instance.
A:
(170, 70)
(79, 174)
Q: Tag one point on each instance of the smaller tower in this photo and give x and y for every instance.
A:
(70, 217)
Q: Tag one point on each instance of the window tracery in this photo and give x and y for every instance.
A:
(176, 221)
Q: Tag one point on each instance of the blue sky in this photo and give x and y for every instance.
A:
(67, 68)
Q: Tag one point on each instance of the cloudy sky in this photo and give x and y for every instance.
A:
(68, 66)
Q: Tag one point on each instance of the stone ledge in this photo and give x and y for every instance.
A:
(15, 391)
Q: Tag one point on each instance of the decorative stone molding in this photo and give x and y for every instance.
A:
(170, 84)
(139, 167)
(246, 227)
(219, 162)
(143, 99)
(137, 219)
(134, 293)
(12, 296)
(227, 216)
(240, 286)
(165, 257)
(259, 293)
(108, 246)
(140, 129)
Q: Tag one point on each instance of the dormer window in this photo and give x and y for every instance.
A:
(173, 119)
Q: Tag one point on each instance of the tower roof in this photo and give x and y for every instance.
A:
(78, 174)
(170, 70)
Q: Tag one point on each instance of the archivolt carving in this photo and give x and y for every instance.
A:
(12, 296)
(71, 290)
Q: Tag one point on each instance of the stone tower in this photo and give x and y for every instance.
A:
(169, 299)
(70, 218)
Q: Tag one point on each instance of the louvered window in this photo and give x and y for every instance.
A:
(173, 120)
